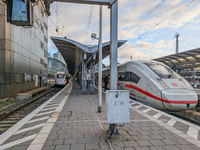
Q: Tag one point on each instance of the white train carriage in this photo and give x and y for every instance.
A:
(61, 78)
(156, 84)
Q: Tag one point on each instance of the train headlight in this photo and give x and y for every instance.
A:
(163, 83)
(183, 84)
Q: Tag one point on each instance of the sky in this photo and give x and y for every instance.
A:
(149, 26)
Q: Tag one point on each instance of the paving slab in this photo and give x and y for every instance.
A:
(75, 124)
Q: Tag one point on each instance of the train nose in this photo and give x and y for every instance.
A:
(179, 99)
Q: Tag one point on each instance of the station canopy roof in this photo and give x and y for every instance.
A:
(183, 60)
(73, 51)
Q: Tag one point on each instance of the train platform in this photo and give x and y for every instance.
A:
(69, 121)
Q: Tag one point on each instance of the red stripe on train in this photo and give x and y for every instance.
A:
(158, 98)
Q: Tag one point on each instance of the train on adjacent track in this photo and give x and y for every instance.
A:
(61, 78)
(155, 84)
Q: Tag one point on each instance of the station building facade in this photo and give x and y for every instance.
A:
(23, 53)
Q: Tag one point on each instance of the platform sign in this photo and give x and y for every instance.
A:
(97, 2)
(20, 12)
(117, 106)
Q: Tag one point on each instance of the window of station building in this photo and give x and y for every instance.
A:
(42, 28)
(42, 45)
(45, 54)
(45, 39)
(41, 61)
(42, 12)
(45, 65)
(45, 26)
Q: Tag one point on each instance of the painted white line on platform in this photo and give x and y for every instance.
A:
(187, 137)
(51, 105)
(40, 139)
(29, 128)
(40, 114)
(193, 132)
(35, 120)
(19, 141)
(170, 116)
(157, 115)
(17, 126)
(171, 122)
(146, 110)
(138, 106)
(48, 109)
(54, 102)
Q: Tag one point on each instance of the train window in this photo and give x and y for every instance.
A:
(134, 78)
(161, 70)
(59, 76)
(127, 76)
(121, 76)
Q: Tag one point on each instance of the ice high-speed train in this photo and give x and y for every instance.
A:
(156, 84)
(61, 78)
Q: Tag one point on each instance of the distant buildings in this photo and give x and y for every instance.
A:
(57, 56)
(23, 51)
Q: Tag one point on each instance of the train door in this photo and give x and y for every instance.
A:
(40, 81)
(138, 84)
(154, 94)
(121, 79)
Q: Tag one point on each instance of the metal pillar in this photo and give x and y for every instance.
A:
(82, 73)
(177, 36)
(83, 76)
(113, 45)
(113, 54)
(194, 79)
(100, 60)
(91, 76)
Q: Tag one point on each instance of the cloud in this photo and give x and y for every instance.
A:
(75, 18)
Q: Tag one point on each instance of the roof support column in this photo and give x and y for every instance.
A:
(113, 45)
(83, 76)
(91, 77)
(100, 60)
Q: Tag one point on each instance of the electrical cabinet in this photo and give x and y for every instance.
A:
(117, 106)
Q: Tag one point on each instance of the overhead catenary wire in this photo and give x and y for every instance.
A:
(143, 18)
(89, 22)
(174, 42)
(158, 24)
(56, 11)
(173, 31)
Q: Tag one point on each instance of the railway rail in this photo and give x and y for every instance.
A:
(188, 116)
(8, 119)
(192, 116)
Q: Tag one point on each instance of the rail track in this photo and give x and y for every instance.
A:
(188, 116)
(8, 119)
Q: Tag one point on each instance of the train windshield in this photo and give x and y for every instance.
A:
(59, 76)
(161, 70)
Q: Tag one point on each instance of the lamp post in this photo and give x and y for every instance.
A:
(93, 35)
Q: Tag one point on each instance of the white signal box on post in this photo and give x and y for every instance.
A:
(117, 106)
(88, 77)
